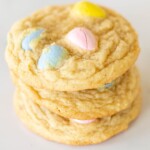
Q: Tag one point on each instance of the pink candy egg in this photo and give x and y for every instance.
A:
(83, 121)
(83, 38)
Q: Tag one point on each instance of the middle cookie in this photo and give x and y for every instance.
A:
(89, 104)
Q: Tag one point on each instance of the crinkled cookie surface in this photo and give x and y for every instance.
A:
(88, 104)
(53, 127)
(59, 48)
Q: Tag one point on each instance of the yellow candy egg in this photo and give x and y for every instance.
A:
(89, 9)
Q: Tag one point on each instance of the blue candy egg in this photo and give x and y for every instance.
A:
(106, 86)
(30, 37)
(52, 57)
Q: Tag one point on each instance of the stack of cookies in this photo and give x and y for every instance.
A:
(73, 67)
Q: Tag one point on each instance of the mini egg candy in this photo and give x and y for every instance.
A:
(83, 121)
(106, 86)
(89, 9)
(83, 38)
(34, 35)
(52, 57)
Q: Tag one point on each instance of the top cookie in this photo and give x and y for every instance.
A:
(71, 48)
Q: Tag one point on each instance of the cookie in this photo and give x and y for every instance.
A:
(88, 104)
(53, 127)
(72, 47)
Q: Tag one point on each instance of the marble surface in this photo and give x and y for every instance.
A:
(14, 136)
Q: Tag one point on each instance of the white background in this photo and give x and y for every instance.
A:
(13, 135)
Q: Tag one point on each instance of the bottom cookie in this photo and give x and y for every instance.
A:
(56, 128)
